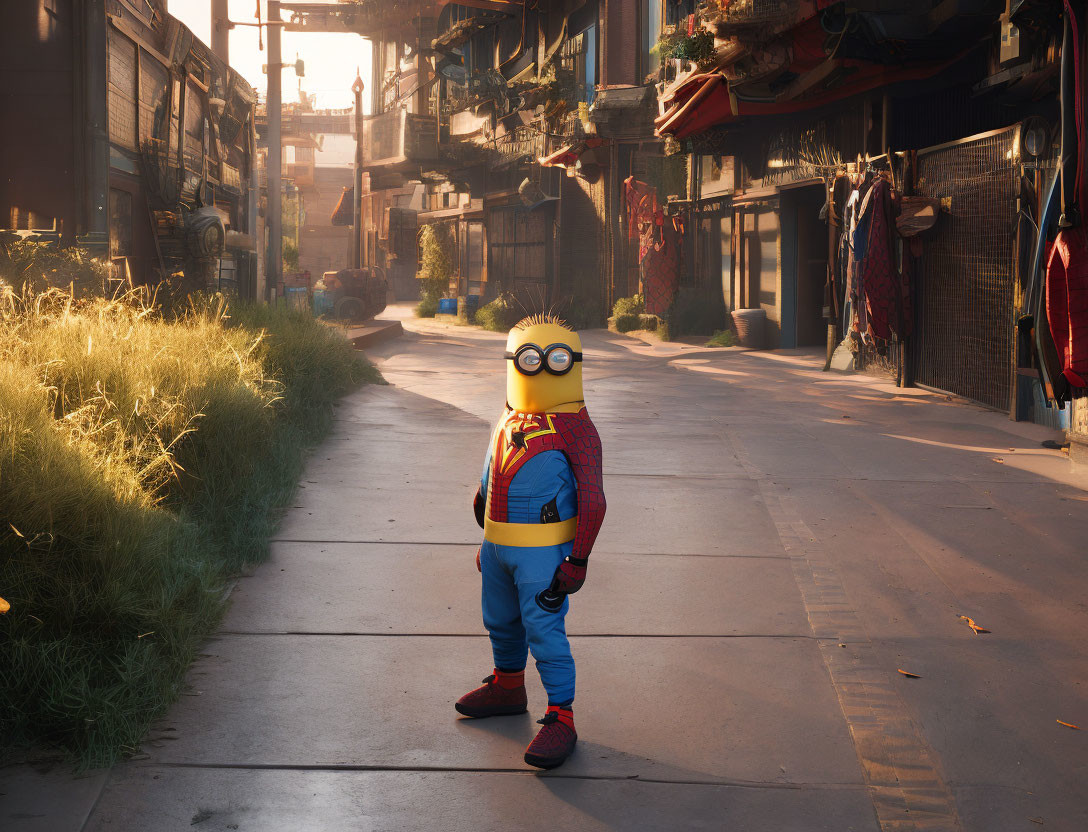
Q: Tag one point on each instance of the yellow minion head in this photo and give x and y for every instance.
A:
(545, 369)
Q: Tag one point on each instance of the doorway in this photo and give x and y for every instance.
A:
(812, 249)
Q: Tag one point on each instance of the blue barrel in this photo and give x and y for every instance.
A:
(447, 306)
(323, 302)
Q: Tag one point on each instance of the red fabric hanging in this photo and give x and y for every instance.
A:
(887, 301)
(642, 207)
(1067, 302)
(1067, 266)
(661, 268)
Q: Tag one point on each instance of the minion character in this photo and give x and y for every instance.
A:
(541, 504)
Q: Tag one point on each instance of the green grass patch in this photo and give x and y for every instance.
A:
(501, 314)
(722, 338)
(633, 305)
(144, 460)
(427, 308)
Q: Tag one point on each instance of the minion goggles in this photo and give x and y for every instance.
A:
(530, 359)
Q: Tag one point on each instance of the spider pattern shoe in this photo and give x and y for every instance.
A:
(555, 741)
(502, 694)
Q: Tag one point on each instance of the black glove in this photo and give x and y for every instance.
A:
(479, 502)
(569, 577)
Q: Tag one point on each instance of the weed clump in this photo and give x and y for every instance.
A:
(501, 314)
(634, 305)
(723, 338)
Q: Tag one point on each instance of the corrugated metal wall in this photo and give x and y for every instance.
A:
(965, 286)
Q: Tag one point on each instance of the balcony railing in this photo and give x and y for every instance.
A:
(524, 144)
(397, 136)
(742, 13)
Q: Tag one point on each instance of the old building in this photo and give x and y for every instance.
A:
(793, 107)
(131, 138)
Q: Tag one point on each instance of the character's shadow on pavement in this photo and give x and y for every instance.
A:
(590, 760)
(520, 728)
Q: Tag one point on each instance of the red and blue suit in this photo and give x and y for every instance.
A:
(541, 503)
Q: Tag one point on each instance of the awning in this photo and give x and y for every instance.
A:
(705, 100)
(568, 155)
(700, 102)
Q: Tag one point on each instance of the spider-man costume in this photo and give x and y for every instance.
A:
(541, 504)
(540, 469)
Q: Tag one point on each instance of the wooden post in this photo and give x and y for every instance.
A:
(274, 265)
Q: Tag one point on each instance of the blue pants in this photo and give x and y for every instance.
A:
(512, 577)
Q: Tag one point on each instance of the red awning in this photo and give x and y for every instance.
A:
(567, 155)
(704, 101)
(700, 102)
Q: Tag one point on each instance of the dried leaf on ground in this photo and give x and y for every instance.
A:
(1069, 725)
(998, 459)
(908, 674)
(971, 623)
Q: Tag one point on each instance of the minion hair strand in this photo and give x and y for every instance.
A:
(542, 318)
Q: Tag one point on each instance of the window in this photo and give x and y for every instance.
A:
(194, 124)
(589, 65)
(154, 82)
(580, 57)
(121, 90)
(678, 11)
(651, 31)
(472, 256)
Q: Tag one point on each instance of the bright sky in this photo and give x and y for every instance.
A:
(331, 59)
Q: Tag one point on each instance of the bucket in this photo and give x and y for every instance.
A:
(751, 327)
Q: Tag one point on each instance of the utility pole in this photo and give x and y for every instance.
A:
(357, 255)
(220, 30)
(274, 267)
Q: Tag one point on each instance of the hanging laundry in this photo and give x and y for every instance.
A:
(658, 245)
(661, 267)
(641, 199)
(1067, 266)
(1067, 302)
(882, 286)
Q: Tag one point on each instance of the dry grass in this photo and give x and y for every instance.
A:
(143, 461)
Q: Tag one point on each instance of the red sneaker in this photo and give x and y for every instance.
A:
(501, 695)
(555, 741)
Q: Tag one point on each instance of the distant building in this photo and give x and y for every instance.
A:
(125, 134)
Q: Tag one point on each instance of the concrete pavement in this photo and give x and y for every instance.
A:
(779, 543)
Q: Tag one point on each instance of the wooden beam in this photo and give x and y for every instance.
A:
(121, 26)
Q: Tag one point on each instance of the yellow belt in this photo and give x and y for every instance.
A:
(530, 534)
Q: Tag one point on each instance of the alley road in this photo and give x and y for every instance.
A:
(779, 544)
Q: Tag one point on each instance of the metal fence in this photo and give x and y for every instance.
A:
(965, 287)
